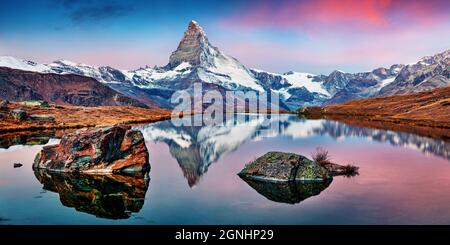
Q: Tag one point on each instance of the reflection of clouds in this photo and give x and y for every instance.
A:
(20, 147)
(196, 148)
(157, 134)
(303, 129)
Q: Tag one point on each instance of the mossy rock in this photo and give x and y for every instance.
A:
(39, 103)
(19, 114)
(281, 166)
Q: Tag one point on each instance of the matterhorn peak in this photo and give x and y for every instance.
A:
(194, 27)
(194, 47)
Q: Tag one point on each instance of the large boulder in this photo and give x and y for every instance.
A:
(116, 149)
(19, 114)
(280, 166)
(4, 104)
(36, 103)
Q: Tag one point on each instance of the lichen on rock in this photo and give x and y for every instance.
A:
(116, 149)
(280, 166)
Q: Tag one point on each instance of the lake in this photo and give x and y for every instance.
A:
(403, 178)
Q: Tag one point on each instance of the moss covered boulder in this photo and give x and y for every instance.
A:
(281, 166)
(18, 114)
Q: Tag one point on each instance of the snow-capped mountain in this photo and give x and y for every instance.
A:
(429, 73)
(196, 60)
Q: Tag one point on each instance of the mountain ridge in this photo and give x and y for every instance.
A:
(196, 60)
(69, 89)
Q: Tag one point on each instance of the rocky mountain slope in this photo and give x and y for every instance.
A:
(18, 85)
(196, 60)
(429, 73)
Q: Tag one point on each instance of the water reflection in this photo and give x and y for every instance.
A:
(290, 192)
(105, 196)
(26, 138)
(196, 147)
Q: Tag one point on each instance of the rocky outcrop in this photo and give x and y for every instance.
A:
(105, 196)
(117, 149)
(37, 103)
(19, 114)
(280, 166)
(4, 104)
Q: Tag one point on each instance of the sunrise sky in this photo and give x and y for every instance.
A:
(279, 36)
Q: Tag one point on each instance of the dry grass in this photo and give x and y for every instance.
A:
(321, 156)
(79, 117)
(429, 108)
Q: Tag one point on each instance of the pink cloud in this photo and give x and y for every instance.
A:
(340, 51)
(343, 15)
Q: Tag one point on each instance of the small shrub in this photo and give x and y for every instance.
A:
(321, 156)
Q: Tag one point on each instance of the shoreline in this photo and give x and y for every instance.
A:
(75, 117)
(425, 113)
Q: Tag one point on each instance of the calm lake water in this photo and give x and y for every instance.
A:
(404, 179)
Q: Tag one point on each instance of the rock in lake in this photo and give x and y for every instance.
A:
(19, 114)
(117, 149)
(280, 166)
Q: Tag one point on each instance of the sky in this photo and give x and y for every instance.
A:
(294, 35)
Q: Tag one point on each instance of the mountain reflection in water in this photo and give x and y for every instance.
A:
(196, 147)
(105, 196)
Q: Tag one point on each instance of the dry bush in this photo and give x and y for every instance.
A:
(321, 156)
(350, 170)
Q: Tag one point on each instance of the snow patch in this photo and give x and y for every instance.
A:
(386, 82)
(298, 80)
(14, 63)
